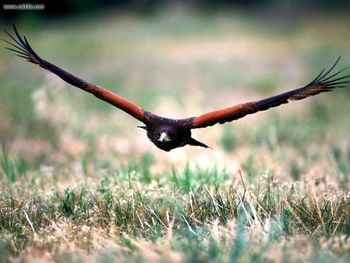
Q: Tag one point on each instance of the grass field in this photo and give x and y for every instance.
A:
(79, 181)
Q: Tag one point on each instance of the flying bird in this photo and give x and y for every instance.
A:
(167, 133)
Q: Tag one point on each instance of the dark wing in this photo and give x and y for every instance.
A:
(22, 48)
(324, 82)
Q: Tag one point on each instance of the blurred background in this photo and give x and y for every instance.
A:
(178, 59)
(66, 8)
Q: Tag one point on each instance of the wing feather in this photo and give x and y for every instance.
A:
(22, 48)
(324, 82)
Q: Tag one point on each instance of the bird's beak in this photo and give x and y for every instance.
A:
(164, 137)
(142, 127)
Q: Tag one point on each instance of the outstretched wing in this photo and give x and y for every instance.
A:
(324, 82)
(22, 48)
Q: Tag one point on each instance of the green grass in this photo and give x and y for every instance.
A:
(212, 221)
(79, 182)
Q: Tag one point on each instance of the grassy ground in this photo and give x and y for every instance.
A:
(80, 182)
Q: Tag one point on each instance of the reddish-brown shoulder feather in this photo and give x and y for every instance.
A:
(324, 82)
(22, 48)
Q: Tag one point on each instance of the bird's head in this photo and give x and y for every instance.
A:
(167, 137)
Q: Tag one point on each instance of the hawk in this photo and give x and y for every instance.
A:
(167, 133)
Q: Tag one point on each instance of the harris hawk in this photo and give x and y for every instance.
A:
(167, 133)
